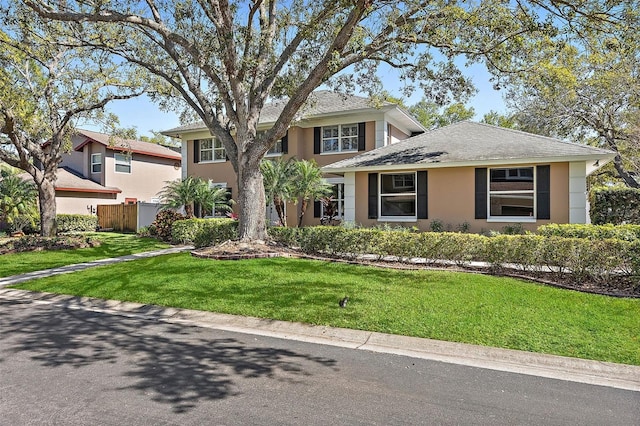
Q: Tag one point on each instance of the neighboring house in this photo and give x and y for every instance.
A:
(483, 176)
(104, 170)
(333, 127)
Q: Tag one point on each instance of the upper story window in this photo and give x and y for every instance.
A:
(398, 195)
(512, 192)
(340, 138)
(123, 163)
(211, 150)
(96, 163)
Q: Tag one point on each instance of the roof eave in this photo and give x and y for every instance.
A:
(597, 161)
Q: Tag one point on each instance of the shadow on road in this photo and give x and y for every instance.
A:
(176, 365)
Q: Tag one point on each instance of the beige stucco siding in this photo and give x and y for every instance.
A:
(147, 178)
(451, 200)
(77, 202)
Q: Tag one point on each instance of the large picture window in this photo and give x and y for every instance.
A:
(337, 202)
(512, 192)
(398, 195)
(211, 150)
(340, 138)
(123, 163)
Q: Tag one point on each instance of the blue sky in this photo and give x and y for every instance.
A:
(146, 116)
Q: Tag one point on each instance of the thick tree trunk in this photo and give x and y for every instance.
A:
(47, 199)
(251, 200)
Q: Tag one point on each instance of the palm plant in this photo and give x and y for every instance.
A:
(216, 198)
(278, 179)
(183, 193)
(18, 200)
(308, 185)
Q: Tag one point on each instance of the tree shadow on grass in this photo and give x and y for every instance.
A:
(176, 365)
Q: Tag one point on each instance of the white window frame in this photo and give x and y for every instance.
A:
(216, 185)
(216, 150)
(399, 194)
(124, 160)
(340, 200)
(340, 138)
(275, 150)
(515, 178)
(96, 163)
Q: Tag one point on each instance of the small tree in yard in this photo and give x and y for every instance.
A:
(226, 59)
(308, 185)
(18, 201)
(278, 178)
(190, 191)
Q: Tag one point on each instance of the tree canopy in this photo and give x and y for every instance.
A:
(47, 85)
(225, 59)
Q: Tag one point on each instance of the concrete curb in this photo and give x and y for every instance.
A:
(599, 373)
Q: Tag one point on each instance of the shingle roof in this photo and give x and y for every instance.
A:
(320, 103)
(68, 179)
(468, 142)
(134, 146)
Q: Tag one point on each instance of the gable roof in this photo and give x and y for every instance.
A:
(321, 103)
(469, 143)
(128, 145)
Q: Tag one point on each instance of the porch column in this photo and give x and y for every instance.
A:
(578, 192)
(183, 153)
(350, 197)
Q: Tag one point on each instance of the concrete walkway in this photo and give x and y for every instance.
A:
(556, 367)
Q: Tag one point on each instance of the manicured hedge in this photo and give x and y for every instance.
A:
(586, 259)
(76, 223)
(596, 232)
(204, 232)
(615, 205)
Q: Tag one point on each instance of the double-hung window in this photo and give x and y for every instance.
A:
(211, 150)
(398, 195)
(123, 162)
(512, 192)
(96, 163)
(337, 202)
(340, 138)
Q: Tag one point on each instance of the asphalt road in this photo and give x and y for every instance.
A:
(76, 367)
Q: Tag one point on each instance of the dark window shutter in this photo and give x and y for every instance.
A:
(317, 211)
(316, 140)
(285, 143)
(196, 151)
(422, 195)
(481, 193)
(543, 187)
(361, 139)
(373, 195)
(229, 193)
(197, 210)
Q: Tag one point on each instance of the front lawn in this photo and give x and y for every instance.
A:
(111, 245)
(461, 307)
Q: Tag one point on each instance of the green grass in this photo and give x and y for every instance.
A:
(112, 245)
(461, 307)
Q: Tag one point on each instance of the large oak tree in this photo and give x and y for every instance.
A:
(226, 59)
(47, 86)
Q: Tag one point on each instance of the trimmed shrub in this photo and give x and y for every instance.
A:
(162, 226)
(76, 223)
(594, 232)
(615, 205)
(204, 232)
(584, 259)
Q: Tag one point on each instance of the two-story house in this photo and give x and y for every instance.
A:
(333, 127)
(100, 169)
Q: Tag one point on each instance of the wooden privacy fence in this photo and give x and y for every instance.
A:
(119, 217)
